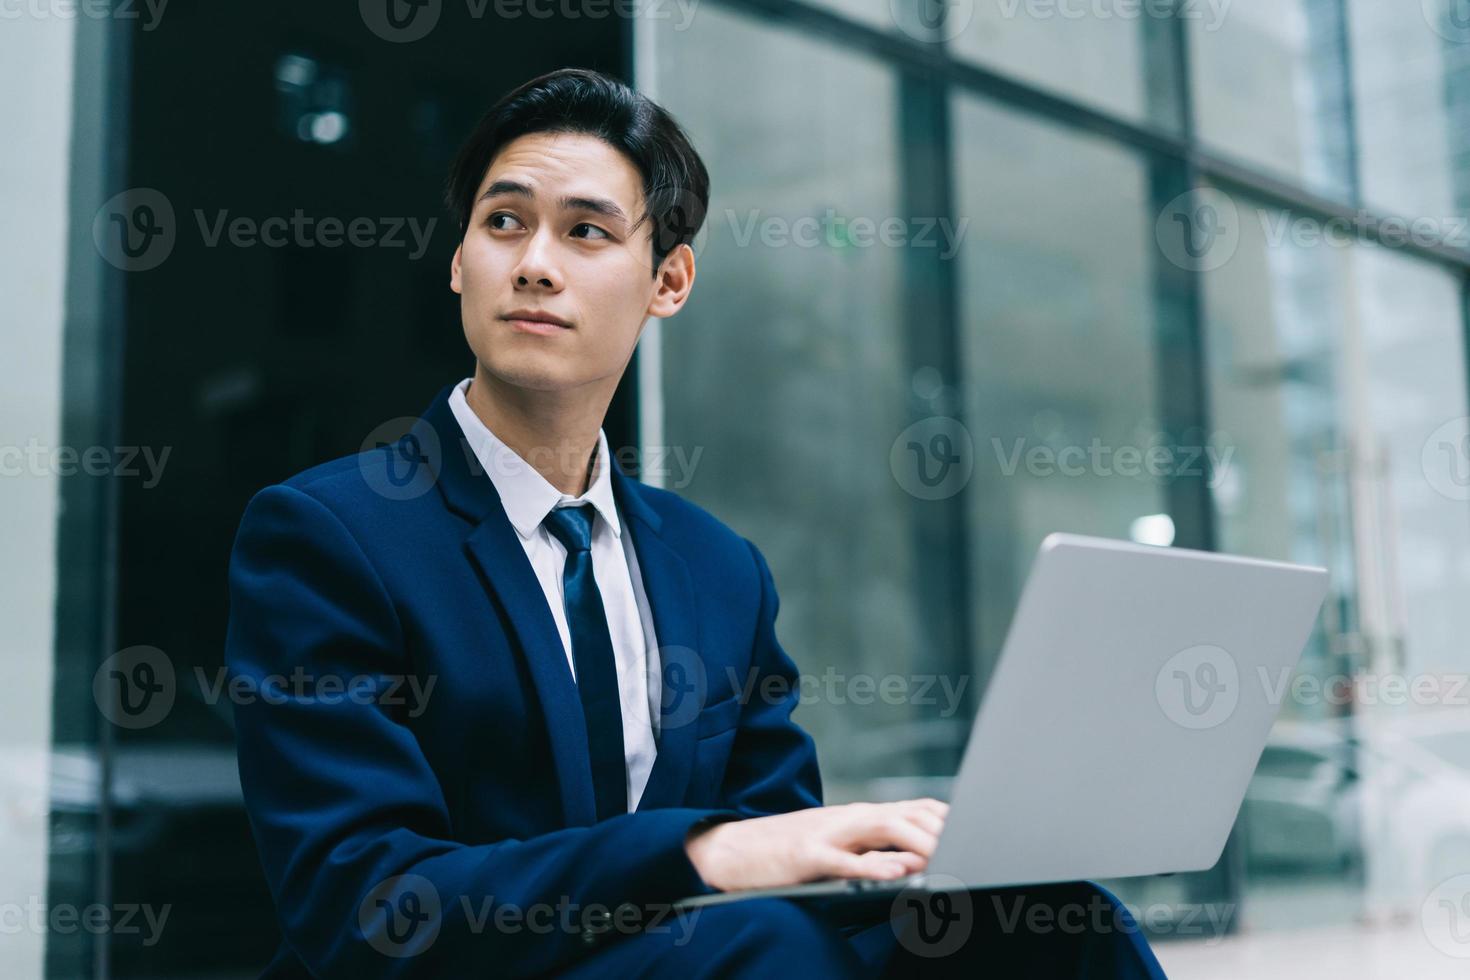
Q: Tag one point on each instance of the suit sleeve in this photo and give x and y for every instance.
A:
(773, 763)
(350, 821)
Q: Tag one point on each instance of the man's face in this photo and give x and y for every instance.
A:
(551, 233)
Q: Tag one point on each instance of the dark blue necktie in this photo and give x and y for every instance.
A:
(592, 651)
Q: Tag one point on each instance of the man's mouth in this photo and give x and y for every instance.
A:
(523, 317)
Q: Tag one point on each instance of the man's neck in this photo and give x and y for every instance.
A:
(554, 432)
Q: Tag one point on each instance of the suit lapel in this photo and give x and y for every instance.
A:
(496, 550)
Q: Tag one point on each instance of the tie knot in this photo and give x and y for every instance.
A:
(572, 526)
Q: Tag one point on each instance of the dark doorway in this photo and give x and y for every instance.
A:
(248, 361)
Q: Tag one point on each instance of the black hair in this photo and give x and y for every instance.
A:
(578, 100)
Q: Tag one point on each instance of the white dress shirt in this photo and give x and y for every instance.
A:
(528, 498)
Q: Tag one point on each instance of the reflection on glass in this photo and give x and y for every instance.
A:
(1270, 89)
(1275, 313)
(882, 14)
(1411, 88)
(1059, 326)
(1061, 322)
(784, 372)
(1091, 52)
(1331, 370)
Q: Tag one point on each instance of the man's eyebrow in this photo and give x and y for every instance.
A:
(597, 205)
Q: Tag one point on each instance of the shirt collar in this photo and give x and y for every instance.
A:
(525, 493)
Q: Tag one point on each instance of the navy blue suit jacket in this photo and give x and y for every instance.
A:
(400, 563)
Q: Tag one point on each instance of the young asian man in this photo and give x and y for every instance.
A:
(577, 756)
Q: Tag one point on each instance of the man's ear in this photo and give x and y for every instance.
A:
(454, 282)
(675, 280)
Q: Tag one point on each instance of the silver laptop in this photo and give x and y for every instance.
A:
(1125, 716)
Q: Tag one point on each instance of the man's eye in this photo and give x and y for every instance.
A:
(494, 218)
(598, 232)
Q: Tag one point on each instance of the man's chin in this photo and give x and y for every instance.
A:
(531, 376)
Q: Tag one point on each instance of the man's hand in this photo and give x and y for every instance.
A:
(820, 842)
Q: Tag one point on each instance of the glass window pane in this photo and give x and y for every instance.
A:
(1062, 315)
(873, 13)
(1411, 72)
(1059, 335)
(1337, 375)
(1078, 50)
(1411, 406)
(1270, 89)
(1274, 318)
(785, 372)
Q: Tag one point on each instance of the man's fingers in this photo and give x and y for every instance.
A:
(911, 862)
(937, 807)
(888, 828)
(927, 820)
(837, 863)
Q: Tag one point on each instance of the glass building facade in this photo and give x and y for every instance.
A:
(1190, 272)
(1232, 236)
